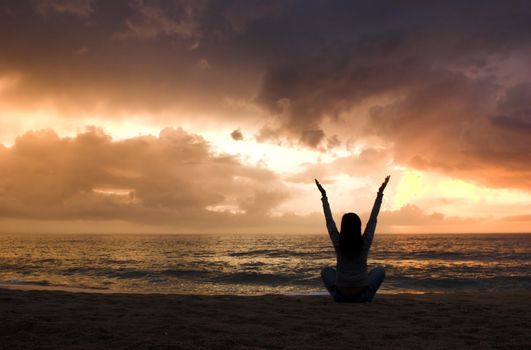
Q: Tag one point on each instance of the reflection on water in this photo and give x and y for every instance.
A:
(240, 264)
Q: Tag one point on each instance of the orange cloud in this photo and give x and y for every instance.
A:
(236, 135)
(170, 183)
(172, 179)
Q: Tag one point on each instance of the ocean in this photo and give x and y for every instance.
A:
(259, 264)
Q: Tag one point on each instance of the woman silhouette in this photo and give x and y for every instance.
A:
(351, 282)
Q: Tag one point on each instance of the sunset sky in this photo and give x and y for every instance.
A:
(216, 116)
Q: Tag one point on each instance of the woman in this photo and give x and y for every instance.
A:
(351, 282)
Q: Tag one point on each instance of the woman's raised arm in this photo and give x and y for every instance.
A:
(330, 224)
(371, 224)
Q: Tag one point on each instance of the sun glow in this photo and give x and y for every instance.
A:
(409, 188)
(456, 197)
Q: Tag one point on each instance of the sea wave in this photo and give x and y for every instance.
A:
(276, 253)
(259, 264)
(24, 282)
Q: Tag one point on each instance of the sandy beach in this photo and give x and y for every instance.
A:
(66, 320)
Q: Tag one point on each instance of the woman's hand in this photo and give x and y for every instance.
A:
(384, 184)
(321, 189)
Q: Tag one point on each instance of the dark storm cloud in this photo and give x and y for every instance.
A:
(123, 57)
(439, 67)
(74, 7)
(325, 59)
(181, 20)
(438, 73)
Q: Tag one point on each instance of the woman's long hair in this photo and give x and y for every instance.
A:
(350, 239)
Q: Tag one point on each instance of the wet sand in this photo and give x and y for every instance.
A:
(66, 320)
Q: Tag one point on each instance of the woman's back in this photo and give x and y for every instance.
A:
(352, 270)
(351, 264)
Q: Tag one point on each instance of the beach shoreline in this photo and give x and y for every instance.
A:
(72, 320)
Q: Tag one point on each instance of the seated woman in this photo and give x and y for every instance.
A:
(351, 282)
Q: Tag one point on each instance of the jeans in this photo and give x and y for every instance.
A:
(376, 277)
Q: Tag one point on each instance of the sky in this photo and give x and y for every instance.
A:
(216, 116)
